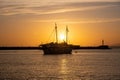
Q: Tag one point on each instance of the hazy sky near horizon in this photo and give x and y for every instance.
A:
(30, 22)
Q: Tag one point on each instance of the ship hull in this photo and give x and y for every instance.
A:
(57, 50)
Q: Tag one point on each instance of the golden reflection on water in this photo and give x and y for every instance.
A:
(64, 68)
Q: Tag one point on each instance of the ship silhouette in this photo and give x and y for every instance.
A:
(57, 48)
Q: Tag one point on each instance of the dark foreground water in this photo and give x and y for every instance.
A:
(81, 65)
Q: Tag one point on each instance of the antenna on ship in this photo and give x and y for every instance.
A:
(56, 33)
(67, 34)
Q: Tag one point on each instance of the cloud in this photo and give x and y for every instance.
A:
(78, 21)
(95, 21)
(76, 9)
(13, 9)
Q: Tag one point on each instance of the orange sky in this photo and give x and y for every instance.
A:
(30, 23)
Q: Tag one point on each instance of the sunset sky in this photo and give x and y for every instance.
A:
(31, 22)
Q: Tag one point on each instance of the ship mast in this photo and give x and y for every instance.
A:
(56, 33)
(67, 34)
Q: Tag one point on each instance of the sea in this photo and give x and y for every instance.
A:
(80, 65)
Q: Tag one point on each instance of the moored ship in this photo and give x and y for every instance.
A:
(57, 48)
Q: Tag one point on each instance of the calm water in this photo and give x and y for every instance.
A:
(81, 65)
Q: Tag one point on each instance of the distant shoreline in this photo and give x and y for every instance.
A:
(20, 48)
(39, 48)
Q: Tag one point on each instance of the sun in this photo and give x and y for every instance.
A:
(62, 37)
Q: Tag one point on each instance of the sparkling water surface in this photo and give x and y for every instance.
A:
(80, 65)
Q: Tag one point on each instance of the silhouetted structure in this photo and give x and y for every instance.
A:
(102, 46)
(57, 48)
